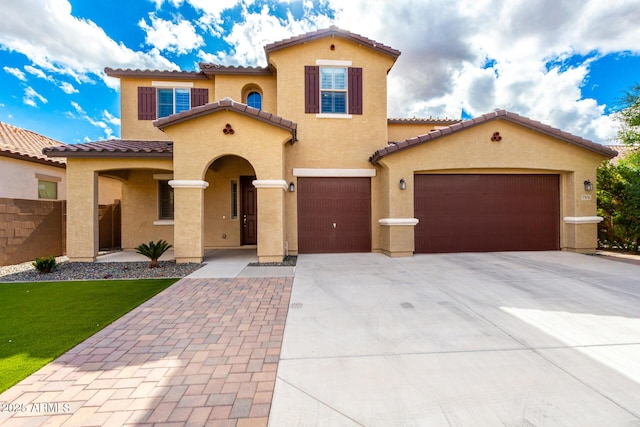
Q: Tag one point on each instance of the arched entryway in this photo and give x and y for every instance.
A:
(230, 203)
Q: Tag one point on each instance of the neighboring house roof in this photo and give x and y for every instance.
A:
(332, 31)
(228, 104)
(498, 114)
(176, 75)
(210, 68)
(23, 144)
(114, 148)
(623, 151)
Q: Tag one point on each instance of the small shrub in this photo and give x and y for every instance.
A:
(45, 265)
(153, 251)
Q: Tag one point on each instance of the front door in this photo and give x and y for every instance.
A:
(249, 211)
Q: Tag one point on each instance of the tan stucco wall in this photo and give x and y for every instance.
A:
(19, 181)
(140, 210)
(139, 203)
(217, 198)
(520, 151)
(131, 127)
(109, 190)
(238, 87)
(331, 142)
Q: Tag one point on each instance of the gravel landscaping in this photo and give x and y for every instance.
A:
(95, 270)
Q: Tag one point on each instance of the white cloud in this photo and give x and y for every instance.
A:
(68, 88)
(255, 30)
(179, 37)
(53, 44)
(101, 124)
(17, 73)
(37, 72)
(109, 118)
(31, 96)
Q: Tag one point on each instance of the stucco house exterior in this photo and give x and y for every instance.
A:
(300, 157)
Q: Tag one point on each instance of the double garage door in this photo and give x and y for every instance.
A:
(486, 213)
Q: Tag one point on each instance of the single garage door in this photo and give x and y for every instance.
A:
(487, 213)
(334, 215)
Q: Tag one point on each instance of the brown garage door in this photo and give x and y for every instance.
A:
(334, 215)
(487, 213)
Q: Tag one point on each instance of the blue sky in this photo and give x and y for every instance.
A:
(565, 63)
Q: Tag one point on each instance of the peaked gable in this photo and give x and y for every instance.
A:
(496, 115)
(332, 31)
(228, 104)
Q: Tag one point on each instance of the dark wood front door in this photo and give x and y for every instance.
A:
(334, 215)
(487, 213)
(248, 211)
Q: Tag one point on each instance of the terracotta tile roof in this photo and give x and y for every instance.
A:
(435, 121)
(210, 68)
(498, 114)
(114, 148)
(332, 31)
(26, 145)
(176, 75)
(229, 104)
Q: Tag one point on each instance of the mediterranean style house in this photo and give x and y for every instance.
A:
(300, 157)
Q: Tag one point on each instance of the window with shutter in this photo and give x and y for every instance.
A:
(333, 90)
(146, 103)
(312, 89)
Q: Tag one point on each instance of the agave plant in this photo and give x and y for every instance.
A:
(153, 251)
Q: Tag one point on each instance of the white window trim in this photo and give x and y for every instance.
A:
(169, 85)
(334, 63)
(163, 222)
(333, 116)
(337, 173)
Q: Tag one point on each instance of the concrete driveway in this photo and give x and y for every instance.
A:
(517, 339)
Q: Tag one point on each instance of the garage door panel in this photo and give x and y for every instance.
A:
(483, 213)
(323, 202)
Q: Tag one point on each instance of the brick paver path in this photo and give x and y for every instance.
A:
(203, 352)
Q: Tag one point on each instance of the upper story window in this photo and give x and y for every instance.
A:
(333, 90)
(254, 99)
(173, 101)
(157, 102)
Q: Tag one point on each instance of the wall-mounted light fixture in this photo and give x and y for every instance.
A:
(588, 186)
(403, 184)
(292, 187)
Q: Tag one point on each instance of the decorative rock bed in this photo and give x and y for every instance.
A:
(95, 271)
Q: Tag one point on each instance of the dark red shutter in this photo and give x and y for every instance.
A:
(199, 97)
(311, 89)
(146, 103)
(355, 90)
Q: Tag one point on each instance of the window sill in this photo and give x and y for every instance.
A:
(163, 222)
(333, 116)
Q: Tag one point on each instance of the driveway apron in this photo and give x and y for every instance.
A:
(521, 338)
(202, 352)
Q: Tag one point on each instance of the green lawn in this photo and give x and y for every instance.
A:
(39, 321)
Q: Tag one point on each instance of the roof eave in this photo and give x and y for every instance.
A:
(32, 159)
(160, 74)
(108, 154)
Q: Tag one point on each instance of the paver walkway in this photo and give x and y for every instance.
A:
(203, 352)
